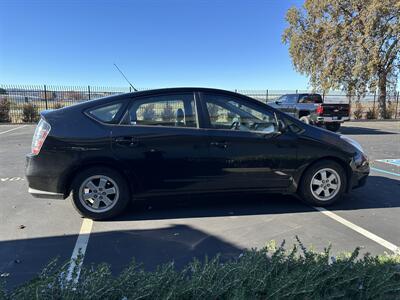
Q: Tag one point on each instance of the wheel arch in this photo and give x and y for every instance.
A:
(304, 113)
(338, 160)
(68, 178)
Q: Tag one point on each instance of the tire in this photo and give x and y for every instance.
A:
(333, 126)
(106, 190)
(305, 119)
(317, 193)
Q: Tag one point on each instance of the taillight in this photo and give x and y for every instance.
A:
(319, 110)
(41, 132)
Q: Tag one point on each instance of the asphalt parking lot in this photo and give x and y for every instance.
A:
(154, 231)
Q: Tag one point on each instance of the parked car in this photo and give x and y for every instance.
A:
(310, 109)
(109, 151)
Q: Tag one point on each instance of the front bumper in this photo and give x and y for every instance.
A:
(359, 174)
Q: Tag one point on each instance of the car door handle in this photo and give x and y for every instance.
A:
(222, 145)
(130, 141)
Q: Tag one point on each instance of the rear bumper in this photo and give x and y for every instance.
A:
(332, 119)
(45, 194)
(44, 174)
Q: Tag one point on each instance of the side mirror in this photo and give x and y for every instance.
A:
(281, 126)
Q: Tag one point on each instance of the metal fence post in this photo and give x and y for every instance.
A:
(45, 96)
(266, 96)
(88, 88)
(373, 106)
(397, 104)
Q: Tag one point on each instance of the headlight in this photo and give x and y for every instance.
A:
(352, 142)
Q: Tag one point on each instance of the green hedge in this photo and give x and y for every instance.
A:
(257, 274)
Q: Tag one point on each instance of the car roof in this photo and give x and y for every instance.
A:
(180, 89)
(161, 91)
(105, 100)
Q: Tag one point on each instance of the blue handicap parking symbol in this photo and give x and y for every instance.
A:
(395, 162)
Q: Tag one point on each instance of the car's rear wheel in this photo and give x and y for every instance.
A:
(100, 193)
(335, 126)
(323, 183)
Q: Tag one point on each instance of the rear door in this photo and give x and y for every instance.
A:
(159, 142)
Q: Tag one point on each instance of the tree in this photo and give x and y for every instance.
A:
(168, 114)
(5, 106)
(3, 91)
(347, 44)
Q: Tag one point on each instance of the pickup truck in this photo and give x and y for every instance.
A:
(310, 109)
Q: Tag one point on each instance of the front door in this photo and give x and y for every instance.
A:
(160, 143)
(246, 149)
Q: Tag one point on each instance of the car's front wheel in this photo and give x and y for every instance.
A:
(323, 183)
(99, 193)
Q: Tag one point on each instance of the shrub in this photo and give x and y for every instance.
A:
(371, 114)
(390, 110)
(358, 112)
(57, 105)
(30, 113)
(256, 274)
(5, 110)
(148, 112)
(168, 114)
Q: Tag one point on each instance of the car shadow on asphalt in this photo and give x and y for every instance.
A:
(180, 243)
(363, 131)
(22, 260)
(379, 192)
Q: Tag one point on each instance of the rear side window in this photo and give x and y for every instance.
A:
(311, 98)
(106, 113)
(164, 110)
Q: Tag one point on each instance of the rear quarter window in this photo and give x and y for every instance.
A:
(310, 98)
(106, 113)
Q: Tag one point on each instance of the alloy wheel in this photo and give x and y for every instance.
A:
(98, 193)
(325, 184)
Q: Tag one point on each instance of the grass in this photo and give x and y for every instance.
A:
(269, 273)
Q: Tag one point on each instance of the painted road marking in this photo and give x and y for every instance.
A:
(395, 162)
(79, 251)
(386, 172)
(11, 179)
(13, 129)
(360, 230)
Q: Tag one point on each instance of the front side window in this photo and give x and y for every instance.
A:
(292, 99)
(165, 110)
(236, 114)
(106, 113)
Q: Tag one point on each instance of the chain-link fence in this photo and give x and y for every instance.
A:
(20, 103)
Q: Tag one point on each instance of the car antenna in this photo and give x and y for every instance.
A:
(125, 77)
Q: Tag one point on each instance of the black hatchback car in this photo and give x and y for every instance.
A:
(109, 151)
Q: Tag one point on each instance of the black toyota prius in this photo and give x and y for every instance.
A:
(110, 151)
